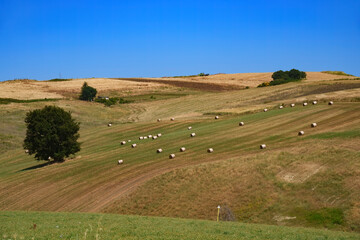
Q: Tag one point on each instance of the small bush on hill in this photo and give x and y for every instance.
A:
(203, 74)
(87, 93)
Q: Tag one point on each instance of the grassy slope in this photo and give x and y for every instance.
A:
(251, 183)
(20, 225)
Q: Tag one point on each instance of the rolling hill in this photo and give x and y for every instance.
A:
(311, 180)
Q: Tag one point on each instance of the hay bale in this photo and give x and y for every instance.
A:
(314, 102)
(172, 119)
(241, 123)
(133, 145)
(150, 136)
(159, 150)
(182, 149)
(26, 151)
(305, 104)
(129, 140)
(154, 137)
(262, 146)
(292, 105)
(109, 125)
(216, 117)
(281, 107)
(141, 138)
(145, 137)
(192, 135)
(301, 133)
(331, 103)
(265, 109)
(313, 125)
(159, 120)
(210, 150)
(120, 162)
(123, 143)
(189, 128)
(172, 156)
(159, 134)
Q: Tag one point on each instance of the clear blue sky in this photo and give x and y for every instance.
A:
(129, 38)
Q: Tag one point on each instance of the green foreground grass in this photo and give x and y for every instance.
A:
(45, 225)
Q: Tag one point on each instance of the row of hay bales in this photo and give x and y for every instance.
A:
(210, 150)
(304, 104)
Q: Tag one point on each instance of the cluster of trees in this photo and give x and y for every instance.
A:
(281, 77)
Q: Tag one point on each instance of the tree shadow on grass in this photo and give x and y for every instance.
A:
(38, 166)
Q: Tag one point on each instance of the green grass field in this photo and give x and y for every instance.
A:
(309, 181)
(21, 225)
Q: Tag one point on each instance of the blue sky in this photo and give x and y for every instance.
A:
(73, 39)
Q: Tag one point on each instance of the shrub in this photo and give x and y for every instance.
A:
(264, 84)
(87, 93)
(112, 101)
(203, 74)
(51, 133)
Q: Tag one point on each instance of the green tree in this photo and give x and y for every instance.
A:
(87, 93)
(279, 75)
(296, 74)
(51, 133)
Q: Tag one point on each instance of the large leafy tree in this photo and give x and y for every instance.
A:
(51, 134)
(87, 93)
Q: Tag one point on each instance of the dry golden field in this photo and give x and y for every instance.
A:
(293, 180)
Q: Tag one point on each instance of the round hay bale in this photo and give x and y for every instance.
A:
(150, 136)
(120, 162)
(192, 135)
(301, 133)
(313, 125)
(262, 146)
(159, 120)
(172, 156)
(182, 149)
(123, 143)
(305, 104)
(159, 150)
(314, 102)
(210, 150)
(292, 105)
(265, 109)
(154, 137)
(141, 138)
(241, 123)
(159, 134)
(172, 119)
(133, 145)
(129, 140)
(27, 151)
(281, 107)
(145, 137)
(216, 117)
(189, 128)
(331, 103)
(109, 125)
